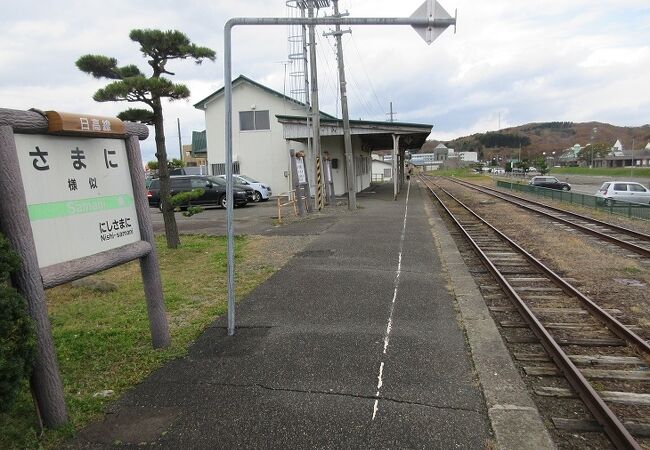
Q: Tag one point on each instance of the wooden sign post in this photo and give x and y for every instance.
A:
(73, 203)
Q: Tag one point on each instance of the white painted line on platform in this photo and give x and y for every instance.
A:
(389, 326)
(379, 384)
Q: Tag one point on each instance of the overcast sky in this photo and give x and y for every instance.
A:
(510, 62)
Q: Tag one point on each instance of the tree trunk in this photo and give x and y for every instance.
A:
(171, 230)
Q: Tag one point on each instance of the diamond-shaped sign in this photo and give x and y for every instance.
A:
(433, 10)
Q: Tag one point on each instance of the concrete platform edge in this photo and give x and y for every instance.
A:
(514, 417)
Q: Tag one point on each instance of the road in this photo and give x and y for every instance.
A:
(589, 184)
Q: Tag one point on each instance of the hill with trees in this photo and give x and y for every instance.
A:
(537, 138)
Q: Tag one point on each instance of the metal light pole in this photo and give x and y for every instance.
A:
(429, 21)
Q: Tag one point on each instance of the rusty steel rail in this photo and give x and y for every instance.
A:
(619, 229)
(612, 426)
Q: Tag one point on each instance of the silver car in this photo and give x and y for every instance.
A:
(628, 191)
(262, 190)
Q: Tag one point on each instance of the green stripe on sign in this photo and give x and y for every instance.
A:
(55, 210)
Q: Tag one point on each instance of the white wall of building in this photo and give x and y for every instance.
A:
(468, 156)
(262, 154)
(379, 168)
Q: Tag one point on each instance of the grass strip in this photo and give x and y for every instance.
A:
(103, 341)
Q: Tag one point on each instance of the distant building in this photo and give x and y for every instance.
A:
(467, 157)
(441, 152)
(195, 154)
(381, 170)
(619, 157)
(569, 156)
(423, 158)
(617, 149)
(426, 166)
(444, 153)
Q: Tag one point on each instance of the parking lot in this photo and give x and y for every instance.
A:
(253, 219)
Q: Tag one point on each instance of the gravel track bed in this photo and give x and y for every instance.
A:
(608, 275)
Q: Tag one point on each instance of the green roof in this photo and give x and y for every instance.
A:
(199, 143)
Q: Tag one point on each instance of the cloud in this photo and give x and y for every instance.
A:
(528, 61)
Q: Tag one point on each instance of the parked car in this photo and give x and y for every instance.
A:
(188, 171)
(550, 183)
(214, 191)
(498, 170)
(262, 190)
(627, 191)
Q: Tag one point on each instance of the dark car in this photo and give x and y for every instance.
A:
(214, 191)
(550, 183)
(188, 171)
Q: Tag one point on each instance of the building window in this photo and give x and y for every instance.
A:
(254, 120)
(387, 173)
(220, 169)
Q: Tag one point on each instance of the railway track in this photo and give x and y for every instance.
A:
(603, 360)
(623, 237)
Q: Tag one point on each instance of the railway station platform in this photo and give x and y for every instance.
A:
(371, 337)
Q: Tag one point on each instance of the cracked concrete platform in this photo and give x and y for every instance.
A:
(303, 370)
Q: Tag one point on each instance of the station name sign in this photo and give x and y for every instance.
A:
(79, 194)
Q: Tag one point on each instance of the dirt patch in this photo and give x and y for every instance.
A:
(273, 252)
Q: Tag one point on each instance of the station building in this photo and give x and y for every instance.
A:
(268, 124)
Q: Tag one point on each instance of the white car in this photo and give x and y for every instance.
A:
(262, 191)
(627, 191)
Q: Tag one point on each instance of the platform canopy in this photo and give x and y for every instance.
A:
(374, 135)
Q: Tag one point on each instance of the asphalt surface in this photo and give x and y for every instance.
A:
(254, 218)
(589, 184)
(354, 343)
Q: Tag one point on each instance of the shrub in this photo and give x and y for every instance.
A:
(17, 339)
(183, 198)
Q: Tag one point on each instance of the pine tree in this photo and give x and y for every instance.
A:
(132, 85)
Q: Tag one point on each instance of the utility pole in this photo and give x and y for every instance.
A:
(315, 107)
(632, 165)
(347, 139)
(391, 113)
(594, 130)
(180, 144)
